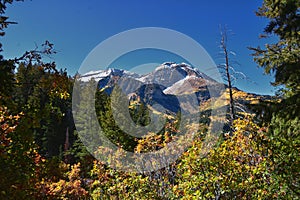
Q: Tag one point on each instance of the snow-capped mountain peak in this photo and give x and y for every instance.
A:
(174, 78)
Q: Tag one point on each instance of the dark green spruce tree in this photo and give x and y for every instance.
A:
(283, 60)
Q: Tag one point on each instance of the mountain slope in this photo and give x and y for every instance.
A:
(176, 87)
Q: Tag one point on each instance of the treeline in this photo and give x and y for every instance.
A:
(42, 156)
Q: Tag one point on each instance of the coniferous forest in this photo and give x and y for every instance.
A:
(257, 156)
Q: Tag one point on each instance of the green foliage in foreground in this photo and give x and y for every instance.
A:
(241, 167)
(283, 59)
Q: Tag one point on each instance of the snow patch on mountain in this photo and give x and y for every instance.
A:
(179, 84)
(101, 74)
(96, 75)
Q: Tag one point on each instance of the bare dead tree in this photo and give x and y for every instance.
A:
(230, 75)
(225, 51)
(226, 71)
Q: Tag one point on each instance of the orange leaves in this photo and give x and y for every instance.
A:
(8, 124)
(69, 188)
(153, 141)
(150, 143)
(74, 173)
(19, 158)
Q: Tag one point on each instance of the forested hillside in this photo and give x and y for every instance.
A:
(257, 155)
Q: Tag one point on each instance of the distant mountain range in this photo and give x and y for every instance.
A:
(176, 87)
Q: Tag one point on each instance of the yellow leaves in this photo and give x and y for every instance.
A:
(74, 173)
(95, 183)
(62, 94)
(245, 125)
(66, 189)
(65, 95)
(237, 164)
(139, 148)
(150, 142)
(17, 117)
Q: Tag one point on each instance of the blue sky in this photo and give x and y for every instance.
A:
(76, 27)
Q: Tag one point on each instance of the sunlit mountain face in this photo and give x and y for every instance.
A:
(176, 87)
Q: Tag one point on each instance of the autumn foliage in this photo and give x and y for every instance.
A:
(42, 156)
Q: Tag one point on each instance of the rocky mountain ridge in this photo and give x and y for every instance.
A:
(176, 87)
